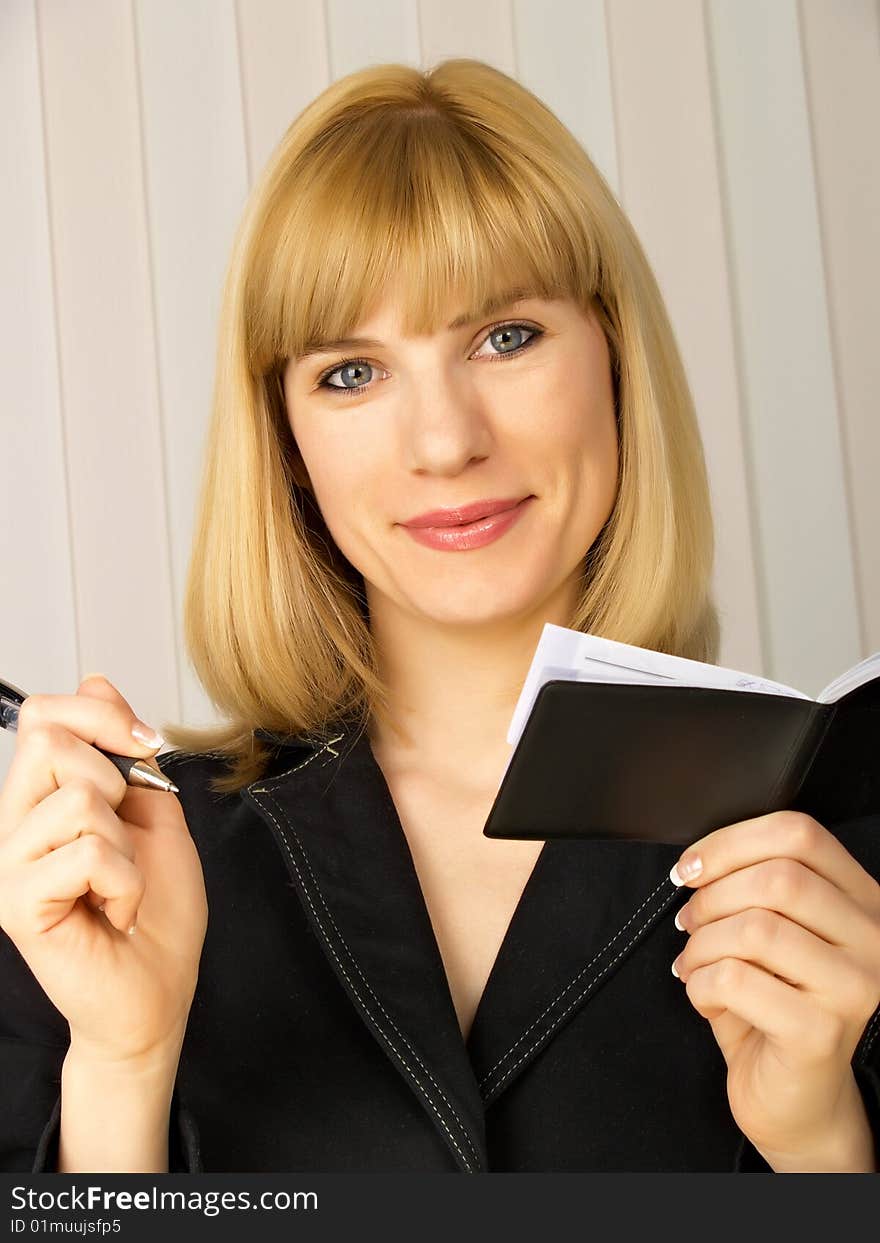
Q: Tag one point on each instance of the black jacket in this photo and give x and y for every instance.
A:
(323, 1037)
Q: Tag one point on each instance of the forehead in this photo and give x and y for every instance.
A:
(458, 312)
(385, 316)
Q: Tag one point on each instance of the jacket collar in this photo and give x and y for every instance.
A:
(585, 907)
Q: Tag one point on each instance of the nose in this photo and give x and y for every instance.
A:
(445, 425)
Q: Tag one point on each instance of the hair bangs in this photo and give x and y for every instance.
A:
(416, 207)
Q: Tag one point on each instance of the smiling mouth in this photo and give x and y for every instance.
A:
(472, 522)
(464, 536)
(441, 520)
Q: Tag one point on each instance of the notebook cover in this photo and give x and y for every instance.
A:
(843, 780)
(669, 764)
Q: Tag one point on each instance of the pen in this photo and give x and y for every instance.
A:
(135, 771)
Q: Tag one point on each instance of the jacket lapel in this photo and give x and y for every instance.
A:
(334, 820)
(585, 907)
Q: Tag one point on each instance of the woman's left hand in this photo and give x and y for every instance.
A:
(783, 959)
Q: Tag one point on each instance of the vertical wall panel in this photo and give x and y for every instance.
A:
(669, 187)
(841, 42)
(571, 73)
(276, 88)
(39, 632)
(790, 403)
(107, 350)
(387, 30)
(196, 184)
(461, 28)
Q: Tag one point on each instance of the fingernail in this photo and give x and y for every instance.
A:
(686, 869)
(145, 734)
(675, 973)
(679, 925)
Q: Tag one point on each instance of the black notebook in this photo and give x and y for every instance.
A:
(616, 741)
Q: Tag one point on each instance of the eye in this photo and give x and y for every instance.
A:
(507, 330)
(352, 368)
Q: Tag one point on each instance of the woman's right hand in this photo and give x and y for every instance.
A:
(73, 836)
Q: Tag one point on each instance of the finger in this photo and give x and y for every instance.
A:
(791, 888)
(729, 1031)
(96, 686)
(56, 732)
(801, 1032)
(77, 807)
(781, 834)
(98, 713)
(99, 687)
(43, 763)
(783, 948)
(49, 887)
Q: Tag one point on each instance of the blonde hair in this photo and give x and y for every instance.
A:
(438, 180)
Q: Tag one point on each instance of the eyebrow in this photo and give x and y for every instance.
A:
(508, 297)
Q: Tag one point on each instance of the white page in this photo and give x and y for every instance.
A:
(863, 672)
(570, 655)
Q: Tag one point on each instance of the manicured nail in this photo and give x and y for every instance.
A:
(686, 869)
(674, 972)
(149, 737)
(679, 925)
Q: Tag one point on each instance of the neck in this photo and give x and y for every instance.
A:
(452, 689)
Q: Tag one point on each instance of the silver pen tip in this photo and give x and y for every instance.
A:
(140, 774)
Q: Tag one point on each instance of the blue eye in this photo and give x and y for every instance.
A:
(346, 390)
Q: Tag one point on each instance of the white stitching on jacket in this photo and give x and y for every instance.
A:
(255, 789)
(490, 1073)
(401, 1059)
(355, 991)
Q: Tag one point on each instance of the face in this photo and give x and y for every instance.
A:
(520, 404)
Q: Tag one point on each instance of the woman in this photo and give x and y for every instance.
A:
(435, 302)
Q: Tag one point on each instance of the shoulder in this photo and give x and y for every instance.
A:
(213, 813)
(172, 761)
(193, 772)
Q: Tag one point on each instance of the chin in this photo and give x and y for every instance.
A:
(479, 615)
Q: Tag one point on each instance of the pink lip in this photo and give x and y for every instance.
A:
(472, 534)
(462, 514)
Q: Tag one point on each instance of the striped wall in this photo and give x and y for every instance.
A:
(741, 137)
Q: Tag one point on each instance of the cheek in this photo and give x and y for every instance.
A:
(584, 430)
(587, 455)
(334, 492)
(335, 461)
(346, 490)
